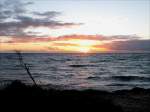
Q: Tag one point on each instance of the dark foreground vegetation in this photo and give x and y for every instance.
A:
(18, 95)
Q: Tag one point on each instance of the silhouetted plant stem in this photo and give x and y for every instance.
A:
(24, 65)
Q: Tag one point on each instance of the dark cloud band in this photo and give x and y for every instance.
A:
(15, 18)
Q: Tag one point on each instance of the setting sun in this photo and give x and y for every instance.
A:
(76, 45)
(84, 50)
(85, 45)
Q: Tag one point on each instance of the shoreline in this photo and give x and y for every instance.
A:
(133, 100)
(66, 87)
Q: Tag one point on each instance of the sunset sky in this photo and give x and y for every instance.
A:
(80, 26)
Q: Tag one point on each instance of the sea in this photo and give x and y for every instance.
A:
(101, 71)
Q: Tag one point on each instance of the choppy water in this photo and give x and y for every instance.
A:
(80, 71)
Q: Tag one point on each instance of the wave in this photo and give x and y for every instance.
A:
(82, 65)
(129, 85)
(93, 77)
(130, 78)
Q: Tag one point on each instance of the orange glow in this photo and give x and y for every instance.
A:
(78, 45)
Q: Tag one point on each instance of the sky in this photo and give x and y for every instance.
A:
(75, 26)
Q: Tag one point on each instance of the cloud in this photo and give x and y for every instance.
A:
(101, 38)
(47, 14)
(28, 39)
(130, 45)
(12, 8)
(118, 43)
(15, 18)
(46, 38)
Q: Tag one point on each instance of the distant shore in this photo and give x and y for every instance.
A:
(134, 100)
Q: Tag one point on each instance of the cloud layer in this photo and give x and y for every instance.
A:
(118, 43)
(15, 18)
(130, 45)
